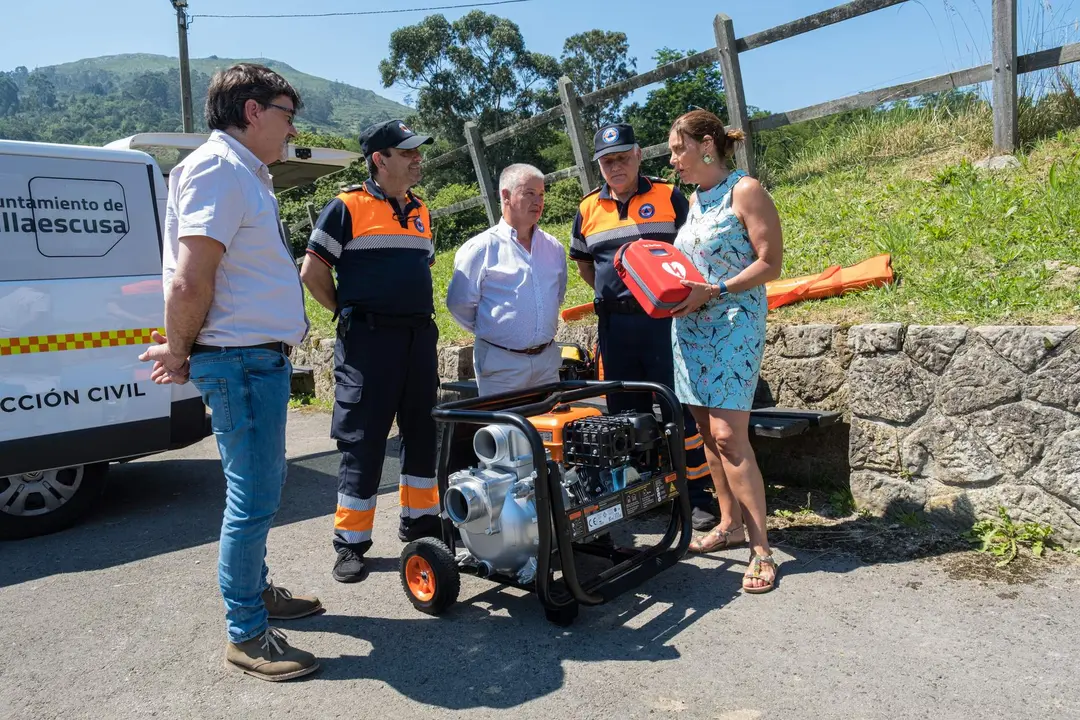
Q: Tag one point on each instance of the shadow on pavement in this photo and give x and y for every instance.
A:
(904, 533)
(496, 650)
(155, 507)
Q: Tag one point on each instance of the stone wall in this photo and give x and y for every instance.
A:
(955, 421)
(317, 354)
(949, 421)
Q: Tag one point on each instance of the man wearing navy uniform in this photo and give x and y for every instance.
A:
(377, 238)
(633, 346)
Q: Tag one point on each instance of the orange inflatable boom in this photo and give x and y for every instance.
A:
(835, 280)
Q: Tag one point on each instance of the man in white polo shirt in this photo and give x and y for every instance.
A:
(507, 287)
(234, 306)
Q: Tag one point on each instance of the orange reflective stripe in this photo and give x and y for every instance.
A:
(649, 210)
(694, 442)
(698, 472)
(354, 520)
(418, 498)
(374, 217)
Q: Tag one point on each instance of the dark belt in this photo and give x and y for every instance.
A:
(619, 307)
(380, 320)
(535, 350)
(275, 346)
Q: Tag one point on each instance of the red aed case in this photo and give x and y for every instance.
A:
(653, 271)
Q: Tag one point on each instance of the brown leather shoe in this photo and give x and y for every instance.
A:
(282, 605)
(269, 657)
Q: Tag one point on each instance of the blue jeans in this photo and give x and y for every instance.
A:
(248, 395)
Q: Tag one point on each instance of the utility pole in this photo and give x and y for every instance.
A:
(185, 69)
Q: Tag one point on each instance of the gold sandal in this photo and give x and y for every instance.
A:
(754, 572)
(717, 539)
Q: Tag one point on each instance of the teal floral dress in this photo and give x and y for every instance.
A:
(718, 348)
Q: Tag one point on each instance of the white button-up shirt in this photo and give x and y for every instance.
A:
(222, 191)
(505, 295)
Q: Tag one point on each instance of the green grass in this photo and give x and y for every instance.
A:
(1003, 537)
(967, 247)
(307, 401)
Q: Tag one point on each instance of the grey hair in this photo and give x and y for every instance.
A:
(514, 175)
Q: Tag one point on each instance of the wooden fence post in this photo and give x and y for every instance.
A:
(313, 215)
(1006, 134)
(579, 140)
(488, 191)
(738, 118)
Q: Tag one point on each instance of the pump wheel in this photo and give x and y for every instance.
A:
(429, 575)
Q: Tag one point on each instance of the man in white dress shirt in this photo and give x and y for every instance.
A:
(509, 282)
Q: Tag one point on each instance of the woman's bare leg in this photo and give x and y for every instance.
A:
(731, 438)
(731, 515)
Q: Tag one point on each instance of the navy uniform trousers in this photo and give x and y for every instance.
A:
(636, 347)
(384, 366)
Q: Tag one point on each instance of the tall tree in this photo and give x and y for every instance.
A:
(9, 96)
(703, 87)
(20, 75)
(476, 68)
(596, 59)
(40, 92)
(149, 86)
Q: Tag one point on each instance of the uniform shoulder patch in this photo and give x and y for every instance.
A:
(352, 188)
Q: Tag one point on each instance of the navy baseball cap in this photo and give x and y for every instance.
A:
(618, 137)
(390, 134)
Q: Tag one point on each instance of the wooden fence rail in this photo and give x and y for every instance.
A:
(538, 120)
(469, 204)
(840, 13)
(1006, 65)
(750, 42)
(873, 98)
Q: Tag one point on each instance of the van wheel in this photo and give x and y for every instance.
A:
(43, 502)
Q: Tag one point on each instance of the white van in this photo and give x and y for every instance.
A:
(80, 293)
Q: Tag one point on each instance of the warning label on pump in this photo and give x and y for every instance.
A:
(633, 500)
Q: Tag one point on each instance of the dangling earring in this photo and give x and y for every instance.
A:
(707, 159)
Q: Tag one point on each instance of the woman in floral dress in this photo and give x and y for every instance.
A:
(733, 238)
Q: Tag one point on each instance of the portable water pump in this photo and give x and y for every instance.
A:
(551, 480)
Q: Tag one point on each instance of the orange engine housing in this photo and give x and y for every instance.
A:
(550, 425)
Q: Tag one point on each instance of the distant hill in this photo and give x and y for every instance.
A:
(95, 100)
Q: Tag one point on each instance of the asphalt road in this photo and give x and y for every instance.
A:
(121, 618)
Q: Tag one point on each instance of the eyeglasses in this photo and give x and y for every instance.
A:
(291, 112)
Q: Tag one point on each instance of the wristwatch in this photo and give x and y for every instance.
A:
(721, 290)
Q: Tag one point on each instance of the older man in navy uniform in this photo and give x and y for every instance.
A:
(377, 237)
(633, 346)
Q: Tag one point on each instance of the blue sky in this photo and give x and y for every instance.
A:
(907, 42)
